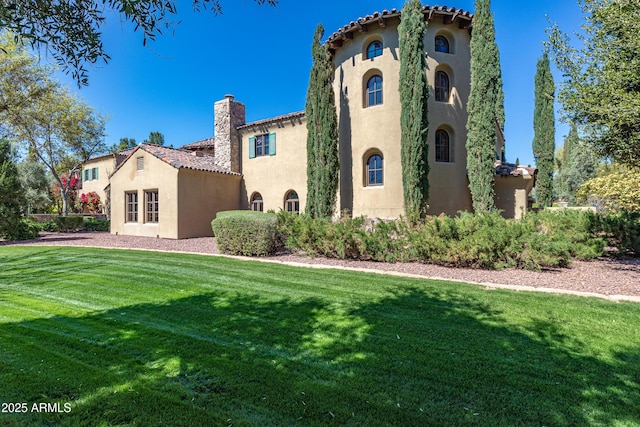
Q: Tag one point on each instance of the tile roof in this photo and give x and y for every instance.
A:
(298, 115)
(449, 13)
(203, 143)
(511, 169)
(181, 159)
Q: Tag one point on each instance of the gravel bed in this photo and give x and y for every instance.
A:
(618, 279)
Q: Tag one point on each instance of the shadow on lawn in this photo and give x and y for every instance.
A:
(413, 358)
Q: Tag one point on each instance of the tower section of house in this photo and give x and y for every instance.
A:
(367, 74)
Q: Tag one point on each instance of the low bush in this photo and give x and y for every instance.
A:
(92, 224)
(27, 230)
(68, 223)
(485, 240)
(246, 233)
(621, 230)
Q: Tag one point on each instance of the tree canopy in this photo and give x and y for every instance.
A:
(601, 89)
(70, 30)
(56, 128)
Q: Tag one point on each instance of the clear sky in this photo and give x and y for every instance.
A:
(262, 55)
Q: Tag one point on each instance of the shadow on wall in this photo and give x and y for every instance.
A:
(345, 150)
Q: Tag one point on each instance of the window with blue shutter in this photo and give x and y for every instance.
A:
(262, 145)
(272, 144)
(252, 147)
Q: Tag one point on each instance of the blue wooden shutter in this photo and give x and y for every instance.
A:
(272, 144)
(252, 147)
(95, 174)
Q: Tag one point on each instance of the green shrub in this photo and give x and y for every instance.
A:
(27, 230)
(246, 233)
(621, 230)
(68, 223)
(485, 240)
(92, 224)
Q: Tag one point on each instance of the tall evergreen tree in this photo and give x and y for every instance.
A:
(10, 193)
(322, 132)
(544, 131)
(485, 108)
(414, 123)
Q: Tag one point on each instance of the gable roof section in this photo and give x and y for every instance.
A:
(181, 159)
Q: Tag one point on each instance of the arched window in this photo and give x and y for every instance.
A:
(442, 86)
(374, 170)
(374, 91)
(374, 49)
(257, 203)
(442, 44)
(292, 202)
(443, 146)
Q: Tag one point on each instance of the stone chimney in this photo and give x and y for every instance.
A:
(228, 114)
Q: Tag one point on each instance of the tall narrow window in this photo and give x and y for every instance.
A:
(374, 49)
(374, 170)
(140, 163)
(257, 203)
(131, 207)
(292, 202)
(442, 86)
(443, 146)
(442, 44)
(374, 91)
(151, 205)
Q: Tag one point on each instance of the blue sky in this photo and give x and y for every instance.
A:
(262, 56)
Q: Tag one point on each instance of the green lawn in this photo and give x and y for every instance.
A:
(142, 338)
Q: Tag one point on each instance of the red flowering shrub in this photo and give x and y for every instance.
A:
(90, 202)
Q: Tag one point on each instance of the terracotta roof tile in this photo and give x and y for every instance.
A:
(291, 116)
(429, 11)
(203, 143)
(511, 169)
(182, 159)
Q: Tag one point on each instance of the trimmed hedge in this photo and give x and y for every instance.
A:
(68, 223)
(246, 233)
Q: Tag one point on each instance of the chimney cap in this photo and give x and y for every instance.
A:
(229, 97)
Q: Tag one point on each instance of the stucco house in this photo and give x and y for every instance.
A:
(262, 165)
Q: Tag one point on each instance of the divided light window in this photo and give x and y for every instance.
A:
(131, 206)
(90, 174)
(262, 145)
(151, 200)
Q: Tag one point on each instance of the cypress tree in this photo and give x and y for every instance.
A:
(322, 133)
(414, 93)
(544, 131)
(485, 108)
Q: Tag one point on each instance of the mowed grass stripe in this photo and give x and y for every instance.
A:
(195, 340)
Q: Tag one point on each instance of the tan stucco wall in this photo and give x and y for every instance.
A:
(274, 176)
(156, 175)
(378, 127)
(511, 193)
(106, 165)
(201, 195)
